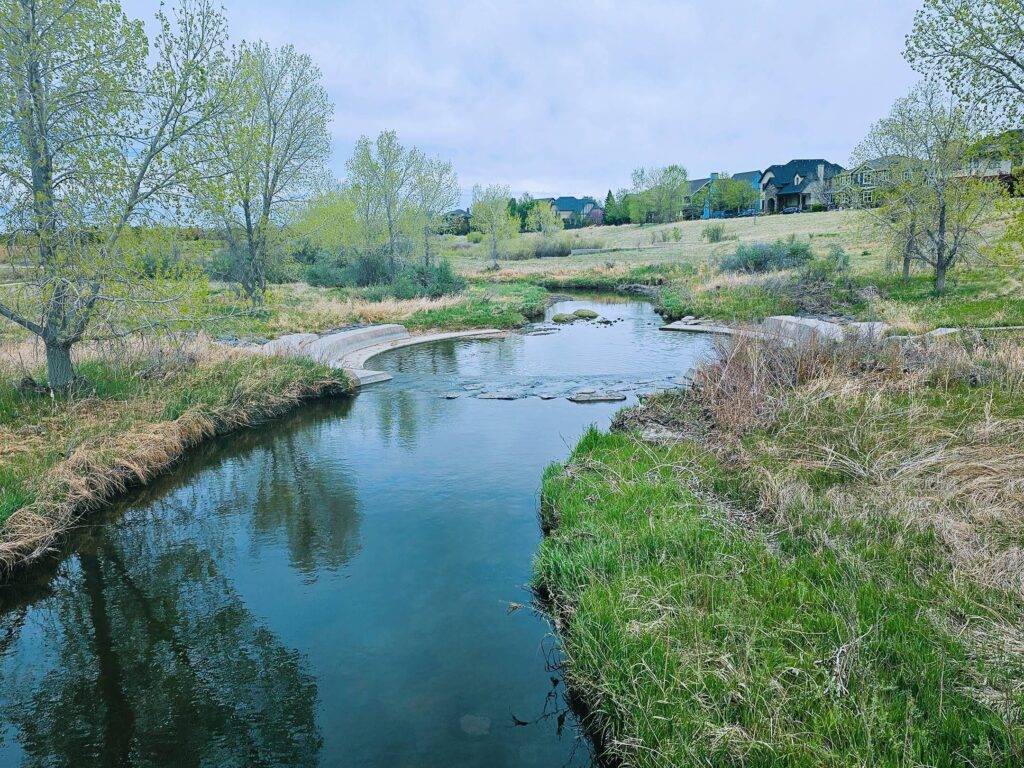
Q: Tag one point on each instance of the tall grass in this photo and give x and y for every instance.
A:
(818, 563)
(130, 420)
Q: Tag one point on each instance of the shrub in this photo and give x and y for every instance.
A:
(713, 233)
(677, 234)
(327, 273)
(417, 281)
(537, 248)
(370, 268)
(767, 257)
(475, 237)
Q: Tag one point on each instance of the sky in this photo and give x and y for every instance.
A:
(558, 98)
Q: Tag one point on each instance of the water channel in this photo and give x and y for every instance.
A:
(341, 587)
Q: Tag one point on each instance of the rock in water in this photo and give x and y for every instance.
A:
(597, 397)
(475, 725)
(498, 396)
(586, 314)
(561, 317)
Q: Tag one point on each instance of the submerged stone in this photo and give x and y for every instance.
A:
(498, 396)
(475, 725)
(597, 397)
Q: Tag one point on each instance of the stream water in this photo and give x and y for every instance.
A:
(340, 587)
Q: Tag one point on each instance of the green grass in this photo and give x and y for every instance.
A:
(775, 610)
(119, 399)
(974, 297)
(743, 303)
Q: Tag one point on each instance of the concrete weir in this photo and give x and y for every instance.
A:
(789, 329)
(351, 348)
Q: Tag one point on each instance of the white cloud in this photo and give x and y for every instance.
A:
(566, 98)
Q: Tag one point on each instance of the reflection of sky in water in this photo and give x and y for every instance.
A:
(626, 354)
(331, 589)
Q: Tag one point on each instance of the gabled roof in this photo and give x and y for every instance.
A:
(752, 176)
(573, 204)
(784, 175)
(696, 185)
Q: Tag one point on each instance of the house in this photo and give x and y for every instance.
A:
(457, 222)
(700, 193)
(574, 208)
(863, 184)
(798, 184)
(860, 185)
(754, 179)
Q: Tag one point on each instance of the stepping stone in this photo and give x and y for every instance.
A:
(598, 397)
(451, 395)
(498, 396)
(547, 396)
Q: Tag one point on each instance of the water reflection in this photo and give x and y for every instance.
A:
(334, 588)
(154, 663)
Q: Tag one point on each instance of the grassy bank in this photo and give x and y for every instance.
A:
(812, 558)
(134, 415)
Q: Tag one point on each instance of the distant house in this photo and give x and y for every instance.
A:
(862, 185)
(457, 222)
(574, 207)
(859, 186)
(697, 202)
(754, 179)
(699, 197)
(798, 184)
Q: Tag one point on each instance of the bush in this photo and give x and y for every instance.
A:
(713, 233)
(417, 281)
(537, 248)
(327, 273)
(370, 268)
(767, 257)
(475, 237)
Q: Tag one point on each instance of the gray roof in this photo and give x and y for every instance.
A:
(754, 177)
(573, 204)
(785, 174)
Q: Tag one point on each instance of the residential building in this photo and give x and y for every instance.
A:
(700, 195)
(798, 184)
(574, 207)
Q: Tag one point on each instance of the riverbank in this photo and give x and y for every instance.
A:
(135, 414)
(813, 557)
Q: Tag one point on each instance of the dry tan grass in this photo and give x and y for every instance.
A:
(114, 444)
(867, 413)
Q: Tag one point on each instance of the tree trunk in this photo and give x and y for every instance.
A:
(940, 252)
(59, 372)
(940, 277)
(906, 266)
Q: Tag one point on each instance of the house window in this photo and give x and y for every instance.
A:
(906, 175)
(867, 178)
(867, 196)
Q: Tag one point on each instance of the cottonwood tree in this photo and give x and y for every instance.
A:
(274, 145)
(977, 48)
(931, 208)
(491, 216)
(543, 218)
(435, 192)
(658, 194)
(383, 176)
(735, 194)
(100, 132)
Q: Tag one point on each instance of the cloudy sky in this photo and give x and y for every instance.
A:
(554, 97)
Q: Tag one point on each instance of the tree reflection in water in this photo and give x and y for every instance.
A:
(150, 655)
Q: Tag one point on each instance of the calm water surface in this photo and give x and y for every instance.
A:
(338, 588)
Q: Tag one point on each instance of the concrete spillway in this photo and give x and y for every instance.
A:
(352, 348)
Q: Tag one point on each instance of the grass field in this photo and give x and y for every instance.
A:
(816, 562)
